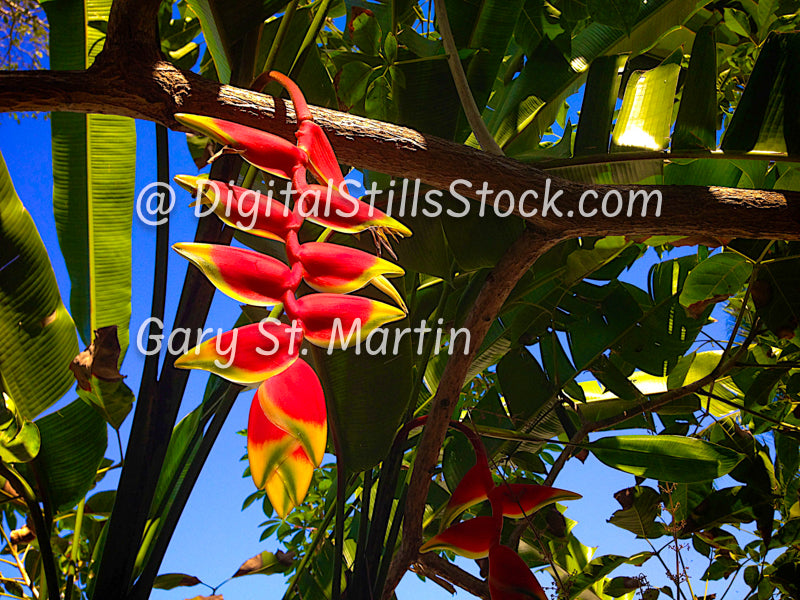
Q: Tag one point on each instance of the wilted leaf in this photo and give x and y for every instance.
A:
(99, 379)
(619, 586)
(168, 581)
(266, 563)
(23, 535)
(201, 148)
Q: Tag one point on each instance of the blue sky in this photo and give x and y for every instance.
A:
(215, 535)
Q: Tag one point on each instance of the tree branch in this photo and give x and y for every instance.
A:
(499, 283)
(156, 91)
(132, 31)
(454, 574)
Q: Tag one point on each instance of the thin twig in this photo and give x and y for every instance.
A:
(454, 574)
(19, 564)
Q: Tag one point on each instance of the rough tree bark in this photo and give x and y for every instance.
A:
(156, 91)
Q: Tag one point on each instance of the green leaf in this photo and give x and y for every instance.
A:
(496, 233)
(665, 457)
(599, 101)
(646, 114)
(737, 21)
(94, 163)
(614, 13)
(73, 443)
(696, 124)
(310, 74)
(214, 35)
(598, 568)
(19, 438)
(563, 76)
(390, 48)
(38, 334)
(351, 83)
(528, 31)
(379, 103)
(113, 400)
(620, 586)
(760, 121)
(488, 26)
(641, 506)
(775, 296)
(367, 394)
(524, 384)
(715, 279)
(601, 321)
(665, 332)
(366, 33)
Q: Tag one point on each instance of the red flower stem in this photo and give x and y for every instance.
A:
(292, 248)
(474, 439)
(290, 304)
(300, 184)
(300, 106)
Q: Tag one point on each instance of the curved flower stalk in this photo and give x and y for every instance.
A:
(288, 424)
(479, 537)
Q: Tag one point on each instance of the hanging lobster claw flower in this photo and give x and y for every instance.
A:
(270, 153)
(311, 138)
(510, 578)
(329, 319)
(248, 354)
(328, 207)
(246, 276)
(243, 209)
(471, 539)
(340, 269)
(473, 488)
(294, 401)
(278, 463)
(521, 499)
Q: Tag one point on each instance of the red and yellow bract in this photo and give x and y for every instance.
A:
(246, 276)
(268, 152)
(248, 354)
(471, 539)
(286, 435)
(248, 210)
(509, 576)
